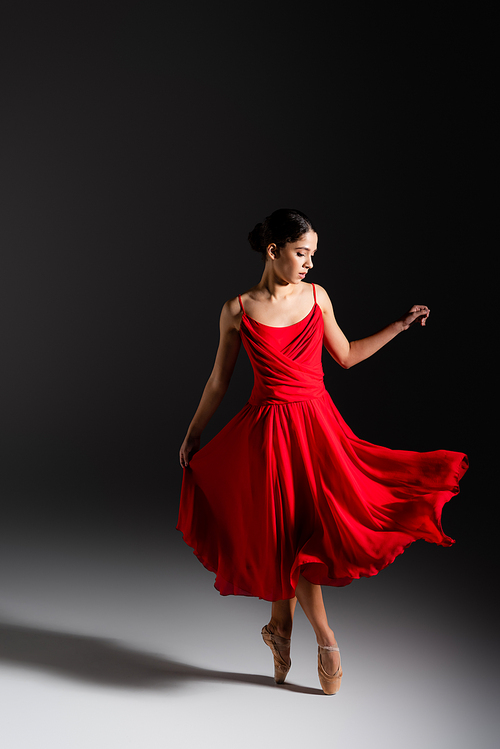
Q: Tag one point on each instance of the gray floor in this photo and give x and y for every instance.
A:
(126, 644)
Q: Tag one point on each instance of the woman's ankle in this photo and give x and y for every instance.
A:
(326, 639)
(282, 629)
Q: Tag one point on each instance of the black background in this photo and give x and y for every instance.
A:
(140, 144)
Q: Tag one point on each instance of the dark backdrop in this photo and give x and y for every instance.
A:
(141, 142)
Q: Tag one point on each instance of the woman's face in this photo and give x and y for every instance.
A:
(292, 262)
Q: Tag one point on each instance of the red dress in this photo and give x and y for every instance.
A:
(286, 488)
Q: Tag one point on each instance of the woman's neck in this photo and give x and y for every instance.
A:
(276, 287)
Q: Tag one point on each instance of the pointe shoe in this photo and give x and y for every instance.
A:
(329, 684)
(281, 667)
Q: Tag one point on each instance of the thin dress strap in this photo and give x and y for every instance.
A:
(241, 304)
(314, 292)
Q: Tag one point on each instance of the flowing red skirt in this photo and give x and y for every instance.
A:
(288, 489)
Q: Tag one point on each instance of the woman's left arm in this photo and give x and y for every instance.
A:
(348, 353)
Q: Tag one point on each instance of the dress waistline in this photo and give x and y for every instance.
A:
(257, 403)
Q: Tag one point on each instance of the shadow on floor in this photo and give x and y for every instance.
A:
(109, 662)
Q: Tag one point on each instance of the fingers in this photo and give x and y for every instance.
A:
(185, 455)
(189, 447)
(420, 311)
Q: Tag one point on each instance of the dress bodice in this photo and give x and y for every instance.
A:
(286, 361)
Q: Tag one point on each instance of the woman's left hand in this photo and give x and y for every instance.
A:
(419, 312)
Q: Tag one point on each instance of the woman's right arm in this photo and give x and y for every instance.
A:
(218, 382)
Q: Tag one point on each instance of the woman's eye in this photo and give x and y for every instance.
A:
(299, 254)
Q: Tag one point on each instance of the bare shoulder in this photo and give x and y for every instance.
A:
(231, 313)
(322, 298)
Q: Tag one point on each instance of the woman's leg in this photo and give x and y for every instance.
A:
(310, 597)
(282, 617)
(282, 622)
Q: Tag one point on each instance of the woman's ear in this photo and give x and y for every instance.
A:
(272, 251)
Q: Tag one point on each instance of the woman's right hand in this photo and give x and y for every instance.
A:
(189, 447)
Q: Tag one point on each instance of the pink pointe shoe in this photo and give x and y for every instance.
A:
(281, 667)
(330, 684)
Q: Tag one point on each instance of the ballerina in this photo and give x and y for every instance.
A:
(286, 498)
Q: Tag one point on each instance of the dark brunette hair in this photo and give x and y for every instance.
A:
(282, 226)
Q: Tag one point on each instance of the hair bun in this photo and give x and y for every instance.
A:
(283, 226)
(255, 237)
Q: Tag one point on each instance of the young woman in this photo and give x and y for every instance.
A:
(286, 498)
